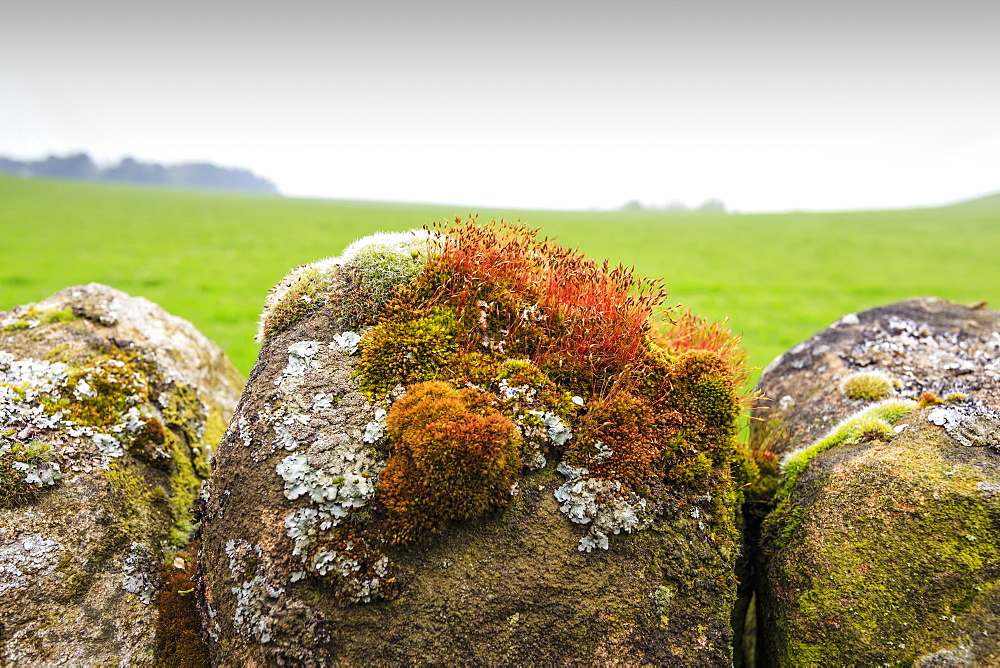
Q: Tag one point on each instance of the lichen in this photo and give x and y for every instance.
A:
(973, 425)
(607, 506)
(26, 470)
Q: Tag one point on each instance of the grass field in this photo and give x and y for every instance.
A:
(211, 257)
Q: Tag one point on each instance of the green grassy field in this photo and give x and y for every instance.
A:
(211, 257)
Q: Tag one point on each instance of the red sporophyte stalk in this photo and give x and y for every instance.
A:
(594, 315)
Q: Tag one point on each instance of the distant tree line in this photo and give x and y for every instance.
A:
(713, 205)
(186, 175)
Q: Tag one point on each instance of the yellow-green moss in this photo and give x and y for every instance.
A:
(878, 574)
(876, 420)
(399, 353)
(34, 317)
(14, 488)
(867, 386)
(130, 500)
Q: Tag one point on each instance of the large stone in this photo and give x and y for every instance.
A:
(110, 409)
(884, 546)
(307, 561)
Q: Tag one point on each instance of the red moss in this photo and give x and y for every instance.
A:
(575, 314)
(178, 631)
(454, 457)
(623, 424)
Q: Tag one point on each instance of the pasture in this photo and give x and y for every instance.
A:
(211, 257)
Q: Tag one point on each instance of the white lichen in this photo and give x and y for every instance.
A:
(606, 505)
(300, 357)
(558, 431)
(138, 579)
(347, 341)
(108, 445)
(375, 430)
(22, 559)
(972, 425)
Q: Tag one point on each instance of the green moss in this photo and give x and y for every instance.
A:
(700, 388)
(130, 502)
(877, 574)
(876, 420)
(101, 392)
(17, 463)
(297, 294)
(370, 279)
(184, 485)
(399, 353)
(35, 317)
(867, 386)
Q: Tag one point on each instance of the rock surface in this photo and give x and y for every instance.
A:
(109, 411)
(883, 548)
(303, 565)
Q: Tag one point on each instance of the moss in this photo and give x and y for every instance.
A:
(304, 289)
(629, 444)
(701, 389)
(369, 280)
(130, 501)
(867, 386)
(103, 391)
(34, 317)
(26, 471)
(454, 457)
(178, 624)
(399, 353)
(876, 420)
(866, 574)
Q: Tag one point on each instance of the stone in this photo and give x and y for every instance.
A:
(883, 546)
(110, 409)
(397, 487)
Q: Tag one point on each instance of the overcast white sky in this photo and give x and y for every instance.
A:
(541, 103)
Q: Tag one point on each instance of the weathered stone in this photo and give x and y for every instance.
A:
(109, 411)
(296, 571)
(883, 548)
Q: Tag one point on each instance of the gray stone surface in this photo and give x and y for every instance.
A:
(121, 404)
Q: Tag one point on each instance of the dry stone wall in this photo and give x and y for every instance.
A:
(110, 411)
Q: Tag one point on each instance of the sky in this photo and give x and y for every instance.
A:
(768, 106)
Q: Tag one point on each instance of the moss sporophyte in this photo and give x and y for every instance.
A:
(490, 355)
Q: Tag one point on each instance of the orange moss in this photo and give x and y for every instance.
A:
(622, 424)
(454, 457)
(178, 631)
(576, 314)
